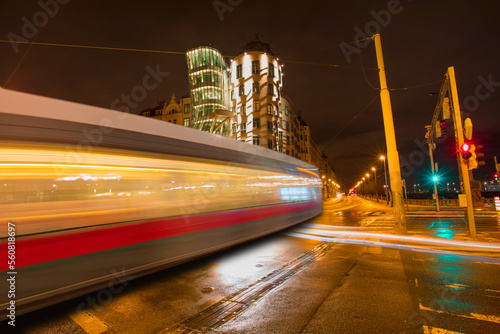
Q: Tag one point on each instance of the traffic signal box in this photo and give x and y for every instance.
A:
(471, 155)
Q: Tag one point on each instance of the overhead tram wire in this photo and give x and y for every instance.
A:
(94, 47)
(183, 53)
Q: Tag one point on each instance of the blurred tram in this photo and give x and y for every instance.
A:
(93, 194)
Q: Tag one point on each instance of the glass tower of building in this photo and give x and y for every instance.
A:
(210, 90)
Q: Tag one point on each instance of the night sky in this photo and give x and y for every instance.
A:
(420, 40)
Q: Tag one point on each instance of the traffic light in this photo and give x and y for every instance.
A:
(479, 155)
(465, 150)
(473, 160)
(435, 178)
(495, 176)
(440, 128)
(442, 125)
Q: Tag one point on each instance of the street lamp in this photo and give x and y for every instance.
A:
(386, 186)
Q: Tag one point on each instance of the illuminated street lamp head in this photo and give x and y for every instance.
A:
(435, 178)
(373, 168)
(382, 157)
(363, 179)
(367, 175)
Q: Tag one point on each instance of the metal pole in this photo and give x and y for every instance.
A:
(390, 138)
(459, 134)
(386, 185)
(376, 190)
(433, 171)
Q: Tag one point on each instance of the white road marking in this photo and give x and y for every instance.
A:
(475, 316)
(88, 322)
(436, 330)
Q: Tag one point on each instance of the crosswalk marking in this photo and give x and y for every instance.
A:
(88, 322)
(475, 316)
(436, 330)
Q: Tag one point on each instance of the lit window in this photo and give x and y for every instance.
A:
(207, 77)
(187, 108)
(269, 109)
(256, 105)
(286, 110)
(187, 122)
(280, 135)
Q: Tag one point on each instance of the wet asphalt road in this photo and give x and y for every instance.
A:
(306, 284)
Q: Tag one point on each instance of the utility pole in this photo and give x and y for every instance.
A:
(431, 144)
(390, 138)
(376, 184)
(459, 135)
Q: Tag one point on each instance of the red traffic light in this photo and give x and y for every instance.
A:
(466, 151)
(495, 176)
(465, 147)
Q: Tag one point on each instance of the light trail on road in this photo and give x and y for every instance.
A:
(357, 238)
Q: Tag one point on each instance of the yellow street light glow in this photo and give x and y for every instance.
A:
(367, 175)
(373, 168)
(382, 157)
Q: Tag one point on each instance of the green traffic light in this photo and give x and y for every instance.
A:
(435, 178)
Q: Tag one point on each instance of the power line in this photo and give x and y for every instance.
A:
(428, 84)
(156, 51)
(94, 47)
(329, 65)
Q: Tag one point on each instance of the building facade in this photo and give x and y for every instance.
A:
(245, 101)
(209, 88)
(179, 113)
